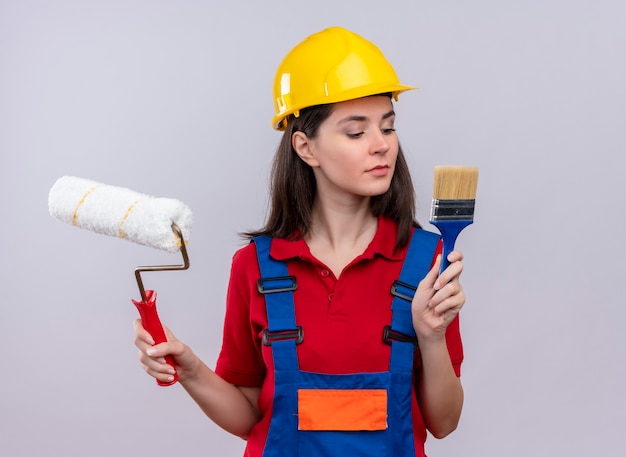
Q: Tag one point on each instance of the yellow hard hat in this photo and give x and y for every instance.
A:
(331, 66)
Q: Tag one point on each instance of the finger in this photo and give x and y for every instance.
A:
(160, 350)
(168, 334)
(448, 310)
(153, 359)
(431, 276)
(446, 291)
(451, 273)
(455, 256)
(152, 362)
(157, 368)
(141, 334)
(450, 302)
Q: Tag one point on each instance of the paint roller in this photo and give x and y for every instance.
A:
(162, 223)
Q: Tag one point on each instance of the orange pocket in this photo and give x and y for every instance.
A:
(342, 410)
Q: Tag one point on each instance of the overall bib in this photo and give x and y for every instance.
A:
(343, 415)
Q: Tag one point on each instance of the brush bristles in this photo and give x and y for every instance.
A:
(455, 183)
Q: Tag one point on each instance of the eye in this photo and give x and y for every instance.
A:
(355, 135)
(388, 131)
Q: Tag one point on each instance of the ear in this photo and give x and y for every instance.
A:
(304, 148)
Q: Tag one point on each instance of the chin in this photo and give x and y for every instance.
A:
(375, 192)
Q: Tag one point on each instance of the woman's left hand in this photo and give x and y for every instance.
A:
(438, 298)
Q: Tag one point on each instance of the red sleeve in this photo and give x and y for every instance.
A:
(240, 361)
(455, 345)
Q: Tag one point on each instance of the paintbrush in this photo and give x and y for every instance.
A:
(454, 195)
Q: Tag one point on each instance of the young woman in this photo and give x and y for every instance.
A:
(328, 350)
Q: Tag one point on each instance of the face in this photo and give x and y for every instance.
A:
(354, 153)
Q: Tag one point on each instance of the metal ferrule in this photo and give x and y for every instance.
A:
(452, 210)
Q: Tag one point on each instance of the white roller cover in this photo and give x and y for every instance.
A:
(120, 212)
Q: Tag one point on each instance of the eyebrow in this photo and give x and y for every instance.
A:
(359, 118)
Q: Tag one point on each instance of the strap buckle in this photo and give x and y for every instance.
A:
(390, 335)
(407, 295)
(282, 335)
(283, 284)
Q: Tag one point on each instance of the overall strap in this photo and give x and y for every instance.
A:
(277, 286)
(416, 265)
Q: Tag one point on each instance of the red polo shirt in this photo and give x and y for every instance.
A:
(342, 320)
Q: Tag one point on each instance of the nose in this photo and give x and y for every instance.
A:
(380, 143)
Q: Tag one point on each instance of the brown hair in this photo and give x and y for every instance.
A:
(293, 186)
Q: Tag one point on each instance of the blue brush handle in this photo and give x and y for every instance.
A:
(449, 232)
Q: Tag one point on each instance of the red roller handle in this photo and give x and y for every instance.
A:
(151, 322)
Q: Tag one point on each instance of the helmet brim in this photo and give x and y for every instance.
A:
(279, 121)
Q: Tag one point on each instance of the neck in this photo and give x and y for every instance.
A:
(340, 233)
(342, 226)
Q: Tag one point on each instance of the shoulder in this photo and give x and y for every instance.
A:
(244, 262)
(281, 249)
(245, 254)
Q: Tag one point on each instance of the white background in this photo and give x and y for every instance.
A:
(173, 98)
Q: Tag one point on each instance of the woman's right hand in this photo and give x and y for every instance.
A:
(233, 408)
(152, 357)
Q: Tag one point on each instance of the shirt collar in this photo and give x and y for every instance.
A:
(383, 244)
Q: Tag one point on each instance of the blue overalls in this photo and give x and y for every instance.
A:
(346, 415)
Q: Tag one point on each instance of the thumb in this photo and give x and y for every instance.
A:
(168, 334)
(431, 277)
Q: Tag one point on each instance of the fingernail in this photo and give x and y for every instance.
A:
(170, 378)
(150, 351)
(171, 371)
(437, 285)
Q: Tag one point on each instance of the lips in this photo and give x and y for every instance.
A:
(379, 167)
(379, 170)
